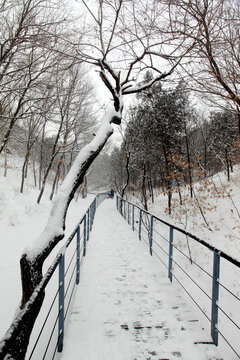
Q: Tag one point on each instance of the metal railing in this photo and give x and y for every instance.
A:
(218, 301)
(48, 333)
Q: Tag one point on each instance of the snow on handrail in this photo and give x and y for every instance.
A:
(194, 237)
(142, 221)
(14, 329)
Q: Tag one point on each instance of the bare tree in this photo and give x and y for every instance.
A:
(123, 47)
(31, 131)
(71, 100)
(26, 27)
(212, 26)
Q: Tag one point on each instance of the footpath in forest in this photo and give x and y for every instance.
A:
(125, 308)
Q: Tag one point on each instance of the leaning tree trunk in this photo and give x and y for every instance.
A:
(126, 182)
(14, 344)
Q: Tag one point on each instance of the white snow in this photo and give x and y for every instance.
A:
(21, 220)
(54, 226)
(125, 306)
(113, 254)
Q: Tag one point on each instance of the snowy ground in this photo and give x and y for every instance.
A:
(125, 307)
(220, 203)
(21, 221)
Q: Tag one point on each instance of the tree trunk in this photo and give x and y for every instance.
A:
(5, 164)
(144, 189)
(24, 170)
(45, 178)
(84, 188)
(179, 193)
(126, 182)
(14, 344)
(34, 173)
(227, 164)
(169, 182)
(41, 158)
(189, 163)
(56, 177)
(150, 184)
(54, 184)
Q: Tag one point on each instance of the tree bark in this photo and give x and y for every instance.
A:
(24, 169)
(189, 163)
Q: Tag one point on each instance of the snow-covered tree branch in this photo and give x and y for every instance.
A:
(120, 41)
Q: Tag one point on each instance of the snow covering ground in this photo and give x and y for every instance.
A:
(220, 203)
(125, 307)
(21, 221)
(121, 305)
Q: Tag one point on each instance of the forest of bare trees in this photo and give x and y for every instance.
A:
(163, 52)
(168, 145)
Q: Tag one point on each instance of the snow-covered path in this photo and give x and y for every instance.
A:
(125, 307)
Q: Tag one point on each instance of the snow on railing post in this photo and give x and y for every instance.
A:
(151, 236)
(61, 305)
(128, 213)
(170, 253)
(215, 297)
(78, 257)
(140, 225)
(133, 217)
(84, 234)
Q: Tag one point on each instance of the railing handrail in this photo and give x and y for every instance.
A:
(194, 237)
(40, 288)
(148, 237)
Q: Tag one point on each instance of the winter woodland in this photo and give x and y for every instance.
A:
(163, 75)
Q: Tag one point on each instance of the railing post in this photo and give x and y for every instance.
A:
(133, 217)
(91, 216)
(128, 213)
(124, 209)
(117, 202)
(170, 253)
(88, 223)
(140, 225)
(95, 208)
(84, 235)
(78, 257)
(151, 236)
(215, 297)
(61, 305)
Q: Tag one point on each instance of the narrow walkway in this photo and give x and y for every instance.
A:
(125, 307)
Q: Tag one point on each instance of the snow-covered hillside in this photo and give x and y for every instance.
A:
(212, 214)
(21, 221)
